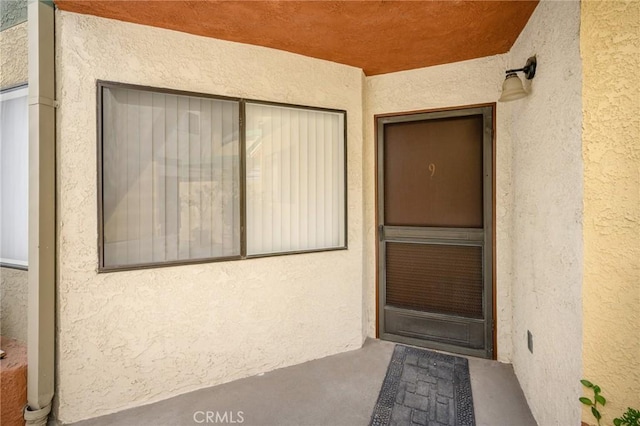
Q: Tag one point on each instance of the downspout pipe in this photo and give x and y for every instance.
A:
(42, 223)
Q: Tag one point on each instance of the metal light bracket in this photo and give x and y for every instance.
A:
(529, 69)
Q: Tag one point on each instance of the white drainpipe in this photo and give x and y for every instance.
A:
(42, 223)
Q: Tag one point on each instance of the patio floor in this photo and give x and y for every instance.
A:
(337, 390)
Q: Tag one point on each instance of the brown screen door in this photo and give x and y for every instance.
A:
(435, 215)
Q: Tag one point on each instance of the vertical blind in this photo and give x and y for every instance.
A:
(295, 179)
(14, 177)
(170, 177)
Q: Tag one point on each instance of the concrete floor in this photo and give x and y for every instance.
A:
(337, 390)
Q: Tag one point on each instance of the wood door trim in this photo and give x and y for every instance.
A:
(493, 235)
(429, 110)
(493, 106)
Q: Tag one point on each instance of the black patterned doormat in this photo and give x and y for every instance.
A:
(422, 387)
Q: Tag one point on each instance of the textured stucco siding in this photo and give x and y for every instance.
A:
(13, 304)
(546, 140)
(14, 56)
(610, 48)
(128, 338)
(12, 12)
(458, 84)
(13, 290)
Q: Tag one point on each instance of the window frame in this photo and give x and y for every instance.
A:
(102, 84)
(12, 265)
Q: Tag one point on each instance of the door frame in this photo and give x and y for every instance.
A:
(443, 113)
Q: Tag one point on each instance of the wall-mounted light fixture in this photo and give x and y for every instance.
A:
(512, 88)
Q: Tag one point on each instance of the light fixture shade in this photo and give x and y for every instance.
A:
(512, 88)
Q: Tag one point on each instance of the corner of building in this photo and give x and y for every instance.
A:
(609, 44)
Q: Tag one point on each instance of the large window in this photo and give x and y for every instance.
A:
(188, 177)
(14, 178)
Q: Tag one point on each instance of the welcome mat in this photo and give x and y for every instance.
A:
(422, 387)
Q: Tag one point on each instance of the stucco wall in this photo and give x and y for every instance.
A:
(128, 338)
(13, 304)
(13, 283)
(12, 12)
(610, 47)
(462, 83)
(13, 56)
(546, 140)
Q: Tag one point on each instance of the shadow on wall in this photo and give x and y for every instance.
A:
(12, 13)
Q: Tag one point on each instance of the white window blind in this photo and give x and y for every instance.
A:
(171, 173)
(295, 179)
(14, 177)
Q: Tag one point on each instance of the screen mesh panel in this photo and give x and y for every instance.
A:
(433, 173)
(436, 278)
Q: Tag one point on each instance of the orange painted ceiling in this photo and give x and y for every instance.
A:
(379, 36)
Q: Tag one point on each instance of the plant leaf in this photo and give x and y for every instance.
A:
(586, 383)
(596, 389)
(585, 401)
(596, 413)
(617, 422)
(600, 399)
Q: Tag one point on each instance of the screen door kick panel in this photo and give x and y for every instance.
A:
(435, 233)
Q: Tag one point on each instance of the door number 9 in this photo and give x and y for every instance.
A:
(432, 169)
